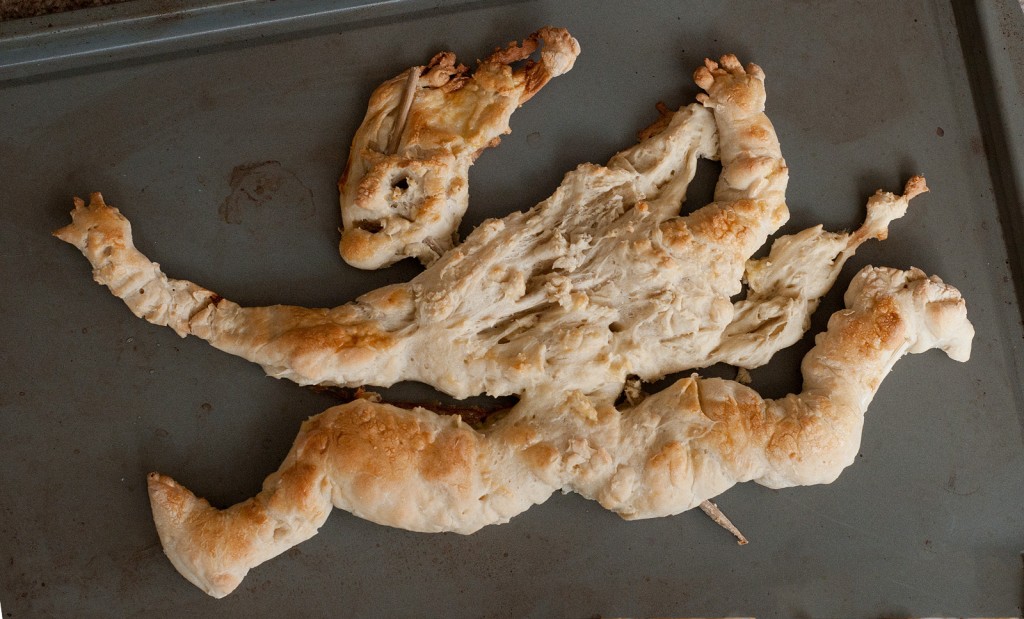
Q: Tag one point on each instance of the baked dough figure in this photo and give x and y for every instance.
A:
(560, 305)
(406, 185)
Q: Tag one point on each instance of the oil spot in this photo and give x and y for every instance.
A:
(956, 485)
(534, 139)
(265, 186)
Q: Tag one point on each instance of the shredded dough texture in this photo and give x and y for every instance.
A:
(561, 305)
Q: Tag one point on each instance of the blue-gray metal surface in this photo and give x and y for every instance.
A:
(160, 111)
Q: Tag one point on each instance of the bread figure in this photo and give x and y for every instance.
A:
(561, 305)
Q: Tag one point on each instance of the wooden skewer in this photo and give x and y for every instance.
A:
(721, 520)
(408, 93)
(634, 395)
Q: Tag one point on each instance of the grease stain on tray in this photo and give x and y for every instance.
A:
(261, 186)
(956, 484)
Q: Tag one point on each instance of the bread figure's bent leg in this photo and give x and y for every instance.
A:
(411, 469)
(695, 439)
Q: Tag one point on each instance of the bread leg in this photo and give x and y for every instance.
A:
(411, 469)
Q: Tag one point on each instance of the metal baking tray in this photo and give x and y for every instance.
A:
(164, 107)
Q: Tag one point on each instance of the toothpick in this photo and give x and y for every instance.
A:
(721, 520)
(403, 111)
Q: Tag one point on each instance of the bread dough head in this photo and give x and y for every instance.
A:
(406, 184)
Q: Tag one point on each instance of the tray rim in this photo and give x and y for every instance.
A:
(49, 46)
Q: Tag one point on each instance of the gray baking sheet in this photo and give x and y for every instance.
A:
(165, 109)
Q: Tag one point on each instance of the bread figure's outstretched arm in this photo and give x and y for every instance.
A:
(405, 186)
(785, 287)
(690, 442)
(750, 196)
(353, 344)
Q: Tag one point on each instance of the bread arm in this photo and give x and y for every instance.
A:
(104, 237)
(785, 287)
(349, 345)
